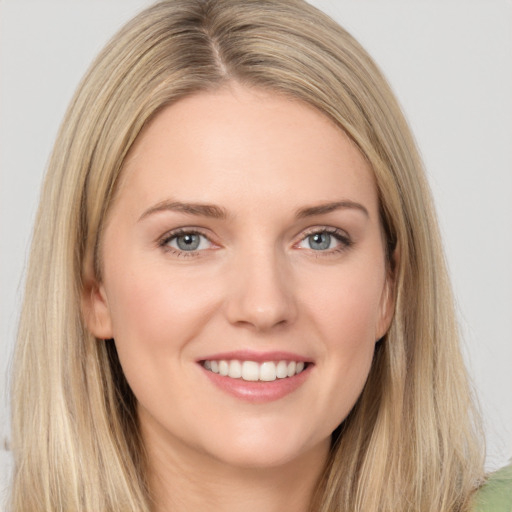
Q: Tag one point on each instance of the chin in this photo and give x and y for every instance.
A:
(255, 451)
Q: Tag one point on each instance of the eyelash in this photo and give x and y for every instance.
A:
(168, 237)
(344, 240)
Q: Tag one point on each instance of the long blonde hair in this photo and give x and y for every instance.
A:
(413, 440)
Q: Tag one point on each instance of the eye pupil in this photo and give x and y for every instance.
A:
(188, 242)
(320, 241)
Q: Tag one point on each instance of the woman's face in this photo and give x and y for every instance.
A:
(244, 238)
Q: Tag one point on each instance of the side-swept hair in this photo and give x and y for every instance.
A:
(413, 440)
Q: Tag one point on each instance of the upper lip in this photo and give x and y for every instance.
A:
(258, 357)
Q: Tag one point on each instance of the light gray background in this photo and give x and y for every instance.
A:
(450, 63)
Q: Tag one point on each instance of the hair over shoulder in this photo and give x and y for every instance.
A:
(412, 442)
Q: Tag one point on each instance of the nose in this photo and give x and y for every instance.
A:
(261, 294)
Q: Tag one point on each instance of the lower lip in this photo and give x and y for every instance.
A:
(258, 392)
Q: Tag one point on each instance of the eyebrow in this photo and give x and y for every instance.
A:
(324, 208)
(204, 210)
(216, 212)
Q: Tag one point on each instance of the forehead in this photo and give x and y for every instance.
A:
(254, 146)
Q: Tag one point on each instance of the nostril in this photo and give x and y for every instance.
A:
(260, 297)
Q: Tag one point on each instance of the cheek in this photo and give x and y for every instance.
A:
(346, 303)
(345, 313)
(154, 318)
(156, 305)
(155, 314)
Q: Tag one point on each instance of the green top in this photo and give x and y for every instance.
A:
(496, 494)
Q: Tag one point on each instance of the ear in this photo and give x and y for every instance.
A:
(95, 309)
(387, 300)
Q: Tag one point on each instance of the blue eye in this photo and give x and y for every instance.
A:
(326, 240)
(186, 241)
(319, 241)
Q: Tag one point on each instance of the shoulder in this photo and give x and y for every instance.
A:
(496, 494)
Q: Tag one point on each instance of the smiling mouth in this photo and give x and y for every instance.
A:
(252, 371)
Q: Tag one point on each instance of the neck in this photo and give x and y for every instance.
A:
(186, 481)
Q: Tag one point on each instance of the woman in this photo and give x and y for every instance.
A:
(236, 277)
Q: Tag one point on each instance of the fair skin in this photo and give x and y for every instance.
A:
(245, 229)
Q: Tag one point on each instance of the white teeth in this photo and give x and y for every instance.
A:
(223, 368)
(235, 369)
(281, 370)
(252, 371)
(268, 371)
